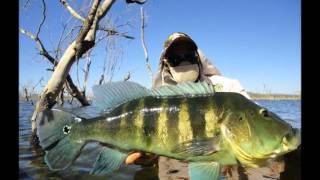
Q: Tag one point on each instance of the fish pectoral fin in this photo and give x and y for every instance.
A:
(108, 161)
(204, 170)
(202, 147)
(63, 154)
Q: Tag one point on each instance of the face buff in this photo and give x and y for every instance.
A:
(185, 72)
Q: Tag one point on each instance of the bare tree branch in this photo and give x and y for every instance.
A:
(26, 94)
(26, 4)
(111, 32)
(72, 12)
(126, 24)
(78, 79)
(43, 18)
(113, 53)
(136, 1)
(101, 38)
(144, 46)
(41, 48)
(61, 97)
(106, 5)
(70, 33)
(72, 89)
(84, 41)
(86, 73)
(74, 92)
(37, 83)
(57, 51)
(103, 72)
(101, 12)
(84, 31)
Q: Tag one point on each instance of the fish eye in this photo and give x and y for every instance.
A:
(264, 112)
(66, 129)
(240, 118)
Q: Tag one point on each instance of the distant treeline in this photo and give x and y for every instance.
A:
(263, 96)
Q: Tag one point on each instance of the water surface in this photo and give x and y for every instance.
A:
(32, 166)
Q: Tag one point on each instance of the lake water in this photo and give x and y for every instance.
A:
(31, 165)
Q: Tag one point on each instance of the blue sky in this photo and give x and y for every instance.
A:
(256, 42)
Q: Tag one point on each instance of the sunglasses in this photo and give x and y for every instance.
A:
(175, 59)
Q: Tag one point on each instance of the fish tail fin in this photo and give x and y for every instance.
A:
(54, 132)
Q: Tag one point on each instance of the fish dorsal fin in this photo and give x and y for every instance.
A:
(113, 94)
(184, 89)
(110, 95)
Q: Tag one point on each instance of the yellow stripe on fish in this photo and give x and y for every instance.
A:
(184, 124)
(209, 119)
(138, 121)
(162, 123)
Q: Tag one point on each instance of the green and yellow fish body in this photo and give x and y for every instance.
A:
(188, 122)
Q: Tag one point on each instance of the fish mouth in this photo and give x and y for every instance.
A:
(291, 140)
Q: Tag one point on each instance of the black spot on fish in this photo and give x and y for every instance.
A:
(132, 109)
(150, 117)
(66, 129)
(173, 117)
(114, 126)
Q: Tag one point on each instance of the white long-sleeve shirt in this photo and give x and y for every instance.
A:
(228, 85)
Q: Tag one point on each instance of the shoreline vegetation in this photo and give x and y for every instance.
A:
(270, 96)
(253, 95)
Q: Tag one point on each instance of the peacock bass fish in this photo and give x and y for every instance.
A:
(188, 121)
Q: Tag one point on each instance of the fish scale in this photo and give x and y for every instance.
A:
(146, 114)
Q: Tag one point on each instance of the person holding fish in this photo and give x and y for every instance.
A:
(181, 60)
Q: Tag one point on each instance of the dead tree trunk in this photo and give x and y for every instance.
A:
(26, 94)
(75, 93)
(83, 42)
(61, 97)
(145, 50)
(71, 88)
